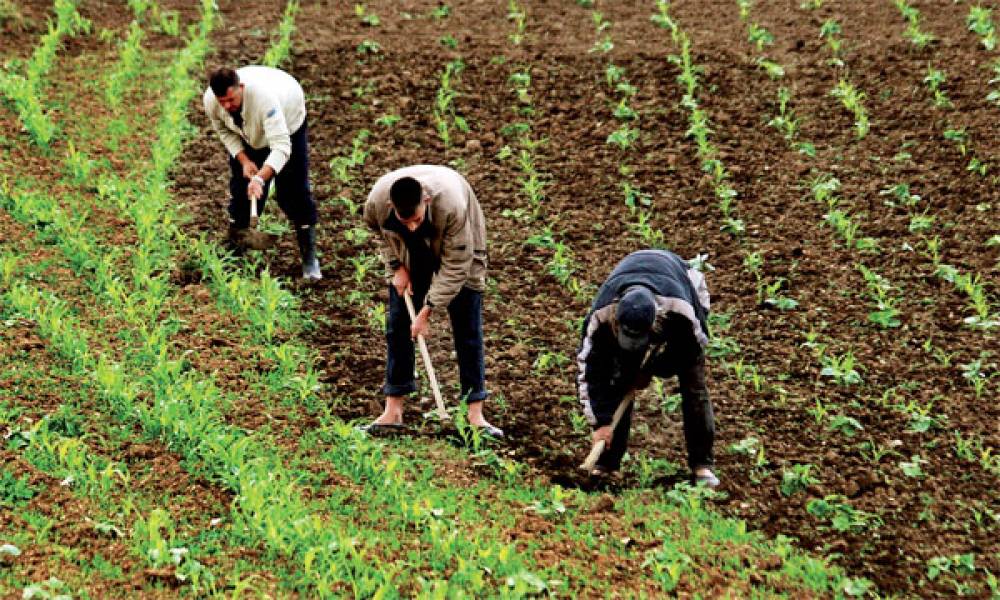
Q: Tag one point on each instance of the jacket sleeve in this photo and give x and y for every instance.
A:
(456, 259)
(279, 139)
(390, 261)
(230, 139)
(598, 387)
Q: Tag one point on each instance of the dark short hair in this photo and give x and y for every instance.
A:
(221, 79)
(406, 194)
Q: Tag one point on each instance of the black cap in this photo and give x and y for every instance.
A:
(636, 313)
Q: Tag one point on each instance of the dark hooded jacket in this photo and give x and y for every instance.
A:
(678, 337)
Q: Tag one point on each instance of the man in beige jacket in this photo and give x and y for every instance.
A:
(434, 246)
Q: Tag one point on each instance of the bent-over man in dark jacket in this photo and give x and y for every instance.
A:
(433, 246)
(648, 319)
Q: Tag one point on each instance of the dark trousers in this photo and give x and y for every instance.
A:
(696, 407)
(466, 314)
(293, 191)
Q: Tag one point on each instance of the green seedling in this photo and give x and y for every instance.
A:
(913, 468)
(840, 369)
(980, 22)
(759, 36)
(797, 479)
(280, 49)
(830, 31)
(853, 101)
(368, 47)
(841, 516)
(847, 426)
(516, 14)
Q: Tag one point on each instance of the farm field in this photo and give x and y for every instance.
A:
(178, 423)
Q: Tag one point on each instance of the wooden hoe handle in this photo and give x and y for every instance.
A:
(598, 447)
(253, 212)
(442, 412)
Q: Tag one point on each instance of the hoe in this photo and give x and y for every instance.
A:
(426, 355)
(253, 237)
(598, 448)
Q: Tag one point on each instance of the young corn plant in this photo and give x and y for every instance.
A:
(25, 91)
(840, 369)
(980, 21)
(847, 228)
(935, 80)
(975, 373)
(662, 17)
(797, 479)
(130, 63)
(960, 138)
(700, 131)
(993, 96)
(767, 291)
(913, 33)
(517, 15)
(445, 114)
(604, 43)
(830, 31)
(972, 285)
(972, 448)
(367, 18)
(532, 182)
(841, 516)
(785, 121)
(921, 418)
(744, 6)
(900, 195)
(845, 425)
(280, 49)
(345, 168)
(561, 262)
(886, 314)
(853, 101)
(759, 37)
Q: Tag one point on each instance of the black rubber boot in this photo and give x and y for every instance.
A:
(306, 237)
(234, 240)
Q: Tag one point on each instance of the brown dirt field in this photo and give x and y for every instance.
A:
(527, 312)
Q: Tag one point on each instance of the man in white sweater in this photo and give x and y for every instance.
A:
(259, 114)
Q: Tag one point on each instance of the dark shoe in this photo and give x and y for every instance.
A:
(707, 479)
(382, 429)
(235, 240)
(307, 250)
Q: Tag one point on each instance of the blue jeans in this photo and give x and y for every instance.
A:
(293, 192)
(466, 314)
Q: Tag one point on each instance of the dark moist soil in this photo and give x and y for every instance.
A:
(527, 313)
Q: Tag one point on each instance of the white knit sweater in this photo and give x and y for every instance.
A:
(273, 108)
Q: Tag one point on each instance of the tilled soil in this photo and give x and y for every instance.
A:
(951, 509)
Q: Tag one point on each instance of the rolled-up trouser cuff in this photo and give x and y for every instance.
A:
(477, 397)
(399, 389)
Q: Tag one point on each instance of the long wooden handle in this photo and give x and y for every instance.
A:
(598, 447)
(253, 212)
(425, 353)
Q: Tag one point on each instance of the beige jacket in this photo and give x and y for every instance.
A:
(459, 229)
(274, 108)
